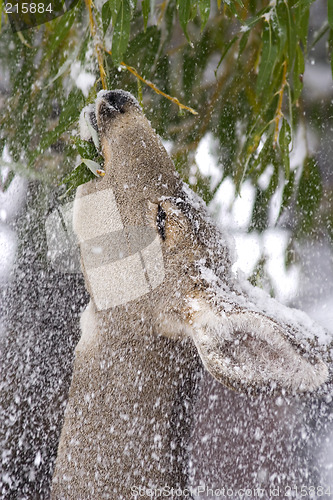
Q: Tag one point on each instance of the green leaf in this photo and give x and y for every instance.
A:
(169, 16)
(189, 72)
(287, 193)
(8, 180)
(72, 107)
(121, 31)
(259, 219)
(145, 12)
(268, 59)
(260, 277)
(94, 167)
(258, 165)
(202, 187)
(291, 34)
(114, 7)
(298, 73)
(144, 47)
(61, 28)
(303, 3)
(204, 9)
(70, 113)
(243, 42)
(330, 48)
(86, 149)
(309, 195)
(284, 141)
(281, 19)
(106, 16)
(263, 197)
(330, 13)
(226, 50)
(292, 38)
(80, 175)
(184, 9)
(320, 34)
(258, 17)
(302, 16)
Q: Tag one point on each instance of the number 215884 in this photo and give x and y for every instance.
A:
(25, 8)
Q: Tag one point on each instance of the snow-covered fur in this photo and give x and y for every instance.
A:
(159, 275)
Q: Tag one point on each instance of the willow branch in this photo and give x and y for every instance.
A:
(153, 86)
(98, 46)
(279, 113)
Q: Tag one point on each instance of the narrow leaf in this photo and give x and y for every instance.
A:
(258, 17)
(106, 16)
(94, 167)
(80, 175)
(121, 31)
(288, 191)
(114, 7)
(61, 30)
(86, 149)
(259, 220)
(268, 59)
(143, 47)
(258, 165)
(184, 7)
(284, 141)
(8, 180)
(145, 12)
(69, 114)
(204, 9)
(93, 132)
(302, 23)
(226, 50)
(330, 12)
(243, 42)
(309, 195)
(298, 73)
(288, 40)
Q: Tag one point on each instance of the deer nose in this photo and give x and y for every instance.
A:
(118, 100)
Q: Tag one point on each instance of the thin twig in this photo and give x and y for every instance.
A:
(279, 113)
(162, 7)
(153, 86)
(98, 46)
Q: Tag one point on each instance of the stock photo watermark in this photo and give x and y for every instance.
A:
(121, 263)
(24, 15)
(204, 491)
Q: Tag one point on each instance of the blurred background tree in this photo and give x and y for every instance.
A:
(239, 65)
(228, 73)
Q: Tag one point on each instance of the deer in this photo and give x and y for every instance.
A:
(164, 302)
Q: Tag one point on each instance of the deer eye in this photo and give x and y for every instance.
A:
(160, 221)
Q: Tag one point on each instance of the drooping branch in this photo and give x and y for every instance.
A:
(279, 114)
(158, 91)
(97, 43)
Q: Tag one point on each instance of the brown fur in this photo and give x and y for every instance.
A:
(130, 403)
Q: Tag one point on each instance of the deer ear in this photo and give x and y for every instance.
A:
(248, 350)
